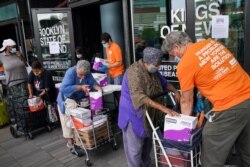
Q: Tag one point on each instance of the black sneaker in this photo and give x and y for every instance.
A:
(75, 150)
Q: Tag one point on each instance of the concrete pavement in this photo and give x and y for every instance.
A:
(48, 149)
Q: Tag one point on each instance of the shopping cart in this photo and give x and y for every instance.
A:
(23, 121)
(95, 133)
(175, 154)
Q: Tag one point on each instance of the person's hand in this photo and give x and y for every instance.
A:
(199, 105)
(86, 89)
(177, 96)
(38, 99)
(103, 68)
(18, 53)
(30, 96)
(170, 112)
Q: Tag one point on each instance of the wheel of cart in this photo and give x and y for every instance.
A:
(174, 153)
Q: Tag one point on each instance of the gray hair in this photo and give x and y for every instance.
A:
(176, 37)
(83, 66)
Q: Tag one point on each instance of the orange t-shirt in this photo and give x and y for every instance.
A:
(114, 54)
(213, 69)
(1, 69)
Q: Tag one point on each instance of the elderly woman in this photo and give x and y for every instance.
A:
(75, 85)
(142, 81)
(14, 64)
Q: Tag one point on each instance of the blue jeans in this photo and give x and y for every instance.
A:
(116, 80)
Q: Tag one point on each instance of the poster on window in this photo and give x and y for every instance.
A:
(168, 70)
(54, 41)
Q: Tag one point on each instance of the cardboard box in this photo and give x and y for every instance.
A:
(80, 113)
(81, 117)
(91, 138)
(99, 62)
(101, 79)
(179, 128)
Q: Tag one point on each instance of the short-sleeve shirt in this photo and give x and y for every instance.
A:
(42, 82)
(14, 69)
(213, 69)
(114, 54)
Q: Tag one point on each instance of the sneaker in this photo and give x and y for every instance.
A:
(75, 150)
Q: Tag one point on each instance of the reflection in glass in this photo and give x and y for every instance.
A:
(53, 27)
(148, 18)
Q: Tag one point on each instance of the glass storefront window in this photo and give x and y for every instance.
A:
(8, 12)
(205, 10)
(54, 40)
(148, 18)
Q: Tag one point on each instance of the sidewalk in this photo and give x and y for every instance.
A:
(48, 149)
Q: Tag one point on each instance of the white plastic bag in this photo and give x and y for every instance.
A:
(28, 68)
(52, 113)
(69, 105)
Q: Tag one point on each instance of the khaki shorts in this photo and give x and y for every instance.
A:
(67, 132)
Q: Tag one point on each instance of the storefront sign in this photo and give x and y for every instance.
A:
(204, 11)
(168, 70)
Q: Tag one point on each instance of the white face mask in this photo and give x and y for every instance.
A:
(105, 45)
(79, 56)
(13, 50)
(152, 69)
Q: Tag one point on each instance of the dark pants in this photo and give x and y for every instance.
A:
(137, 149)
(229, 127)
(17, 98)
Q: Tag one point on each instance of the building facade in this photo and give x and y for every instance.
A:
(51, 29)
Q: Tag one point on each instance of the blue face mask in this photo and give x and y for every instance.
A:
(177, 59)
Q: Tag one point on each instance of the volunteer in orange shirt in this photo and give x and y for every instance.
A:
(214, 70)
(114, 56)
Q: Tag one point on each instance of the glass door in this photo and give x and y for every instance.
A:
(54, 42)
(205, 11)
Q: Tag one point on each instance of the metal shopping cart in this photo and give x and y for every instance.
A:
(92, 129)
(169, 153)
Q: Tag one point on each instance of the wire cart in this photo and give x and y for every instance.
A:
(24, 122)
(169, 153)
(95, 135)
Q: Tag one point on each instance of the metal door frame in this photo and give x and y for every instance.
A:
(37, 47)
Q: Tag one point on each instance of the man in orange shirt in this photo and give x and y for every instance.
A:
(114, 56)
(214, 70)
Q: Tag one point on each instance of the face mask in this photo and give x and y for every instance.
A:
(152, 69)
(13, 50)
(79, 56)
(105, 45)
(177, 59)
